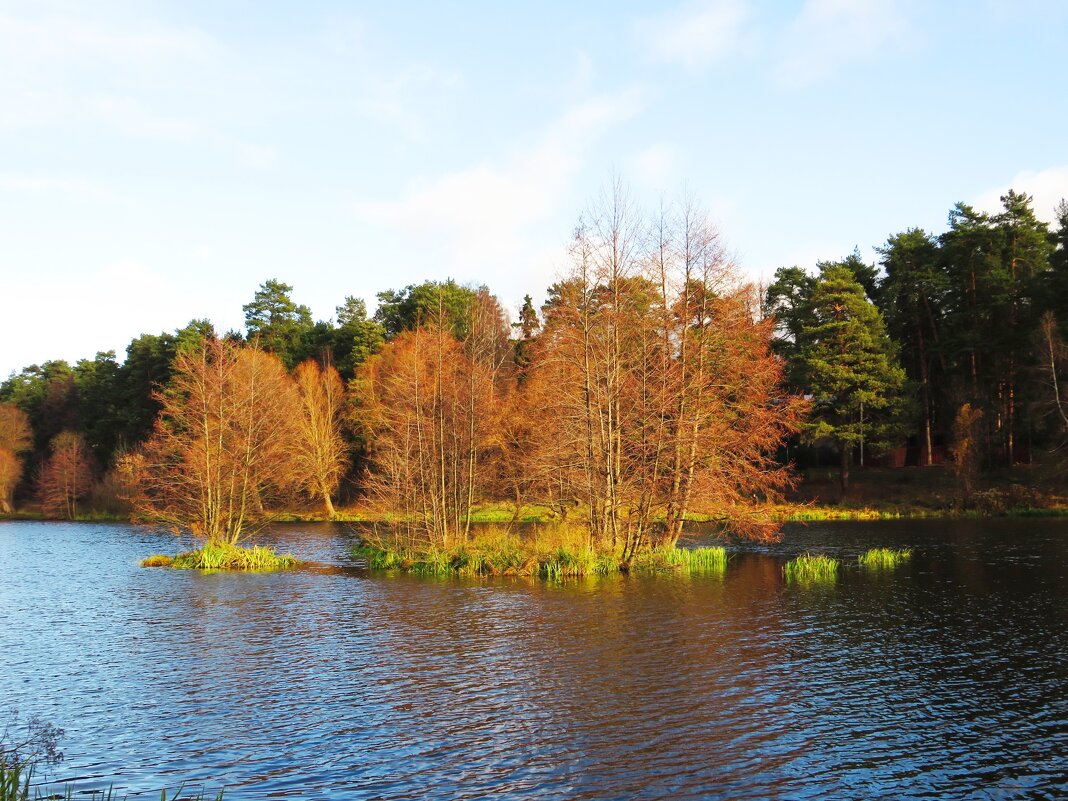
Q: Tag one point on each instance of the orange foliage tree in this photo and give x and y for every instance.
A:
(321, 450)
(223, 449)
(15, 438)
(66, 476)
(429, 404)
(660, 390)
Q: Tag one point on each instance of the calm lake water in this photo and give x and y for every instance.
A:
(945, 679)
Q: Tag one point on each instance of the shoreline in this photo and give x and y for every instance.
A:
(784, 513)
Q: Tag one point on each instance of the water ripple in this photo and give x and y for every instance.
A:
(945, 679)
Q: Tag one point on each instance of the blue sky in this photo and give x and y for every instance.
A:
(159, 160)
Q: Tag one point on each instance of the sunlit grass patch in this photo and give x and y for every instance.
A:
(811, 569)
(884, 558)
(157, 560)
(214, 556)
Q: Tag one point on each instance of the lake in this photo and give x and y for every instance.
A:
(947, 678)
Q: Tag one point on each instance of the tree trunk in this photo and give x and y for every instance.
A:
(843, 468)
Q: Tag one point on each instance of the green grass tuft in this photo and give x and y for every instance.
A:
(233, 557)
(811, 569)
(884, 558)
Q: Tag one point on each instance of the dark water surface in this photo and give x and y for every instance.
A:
(945, 679)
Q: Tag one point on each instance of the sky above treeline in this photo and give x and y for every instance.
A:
(159, 160)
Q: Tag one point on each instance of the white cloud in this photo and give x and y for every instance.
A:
(114, 302)
(129, 117)
(1048, 187)
(828, 34)
(696, 35)
(480, 219)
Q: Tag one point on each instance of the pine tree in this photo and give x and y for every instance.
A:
(850, 368)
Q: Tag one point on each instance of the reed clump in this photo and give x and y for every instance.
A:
(157, 560)
(884, 558)
(224, 556)
(811, 569)
(687, 560)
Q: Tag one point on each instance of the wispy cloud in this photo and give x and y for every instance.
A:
(131, 118)
(481, 218)
(1048, 187)
(48, 38)
(696, 35)
(829, 34)
(399, 99)
(44, 58)
(47, 184)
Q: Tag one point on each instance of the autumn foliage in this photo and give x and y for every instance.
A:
(222, 453)
(320, 449)
(661, 397)
(66, 476)
(650, 394)
(15, 438)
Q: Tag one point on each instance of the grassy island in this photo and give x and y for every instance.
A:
(224, 556)
(556, 554)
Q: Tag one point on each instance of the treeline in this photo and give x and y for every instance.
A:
(954, 341)
(653, 383)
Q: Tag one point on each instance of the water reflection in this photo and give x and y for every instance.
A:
(944, 678)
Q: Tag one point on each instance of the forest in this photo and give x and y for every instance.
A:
(653, 384)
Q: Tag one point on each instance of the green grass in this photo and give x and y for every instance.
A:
(687, 560)
(14, 783)
(884, 558)
(811, 569)
(229, 557)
